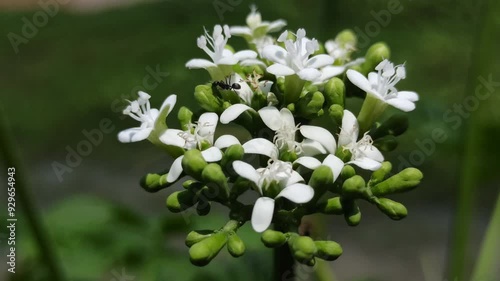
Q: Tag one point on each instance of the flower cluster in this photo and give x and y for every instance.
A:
(296, 147)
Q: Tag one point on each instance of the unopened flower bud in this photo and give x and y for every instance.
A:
(352, 214)
(194, 237)
(321, 179)
(354, 187)
(193, 163)
(331, 206)
(204, 251)
(405, 180)
(392, 209)
(303, 248)
(154, 182)
(328, 250)
(336, 112)
(235, 245)
(375, 54)
(232, 153)
(205, 98)
(346, 37)
(335, 92)
(184, 117)
(311, 105)
(273, 239)
(214, 178)
(380, 174)
(181, 200)
(347, 172)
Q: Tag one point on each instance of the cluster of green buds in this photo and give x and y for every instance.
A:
(293, 143)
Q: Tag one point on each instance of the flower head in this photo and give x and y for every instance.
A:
(295, 58)
(141, 111)
(382, 85)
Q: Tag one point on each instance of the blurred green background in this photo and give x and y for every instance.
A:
(78, 67)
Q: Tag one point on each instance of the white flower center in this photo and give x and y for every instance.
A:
(193, 136)
(387, 77)
(276, 171)
(297, 52)
(357, 148)
(140, 110)
(285, 137)
(217, 42)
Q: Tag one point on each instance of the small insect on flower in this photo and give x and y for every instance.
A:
(226, 84)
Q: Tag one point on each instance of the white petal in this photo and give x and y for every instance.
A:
(309, 74)
(287, 118)
(262, 214)
(367, 163)
(226, 141)
(229, 60)
(350, 129)
(240, 30)
(175, 169)
(402, 104)
(312, 147)
(335, 164)
(261, 146)
(373, 78)
(207, 123)
(233, 112)
(265, 86)
(294, 178)
(328, 72)
(213, 154)
(319, 61)
(271, 117)
(275, 54)
(245, 54)
(276, 25)
(246, 171)
(372, 152)
(411, 96)
(298, 193)
(171, 137)
(321, 135)
(251, 62)
(359, 80)
(308, 162)
(280, 70)
(170, 102)
(200, 63)
(134, 134)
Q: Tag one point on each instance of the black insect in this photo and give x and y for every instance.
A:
(227, 85)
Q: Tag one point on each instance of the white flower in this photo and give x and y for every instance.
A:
(281, 122)
(381, 85)
(141, 111)
(249, 86)
(256, 28)
(340, 52)
(295, 59)
(364, 154)
(278, 173)
(198, 136)
(214, 46)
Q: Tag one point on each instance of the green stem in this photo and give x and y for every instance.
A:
(471, 163)
(487, 261)
(284, 263)
(9, 151)
(370, 112)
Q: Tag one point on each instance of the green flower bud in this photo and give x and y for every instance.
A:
(204, 251)
(206, 99)
(347, 36)
(352, 214)
(303, 248)
(214, 178)
(181, 200)
(344, 154)
(311, 105)
(280, 83)
(203, 207)
(335, 92)
(405, 180)
(336, 112)
(273, 239)
(321, 180)
(193, 185)
(347, 172)
(328, 250)
(387, 143)
(354, 187)
(291, 107)
(194, 237)
(396, 125)
(331, 206)
(293, 88)
(154, 182)
(380, 174)
(288, 156)
(185, 115)
(193, 163)
(392, 209)
(375, 54)
(235, 245)
(232, 153)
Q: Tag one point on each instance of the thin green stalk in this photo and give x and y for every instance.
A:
(11, 157)
(284, 263)
(480, 63)
(487, 262)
